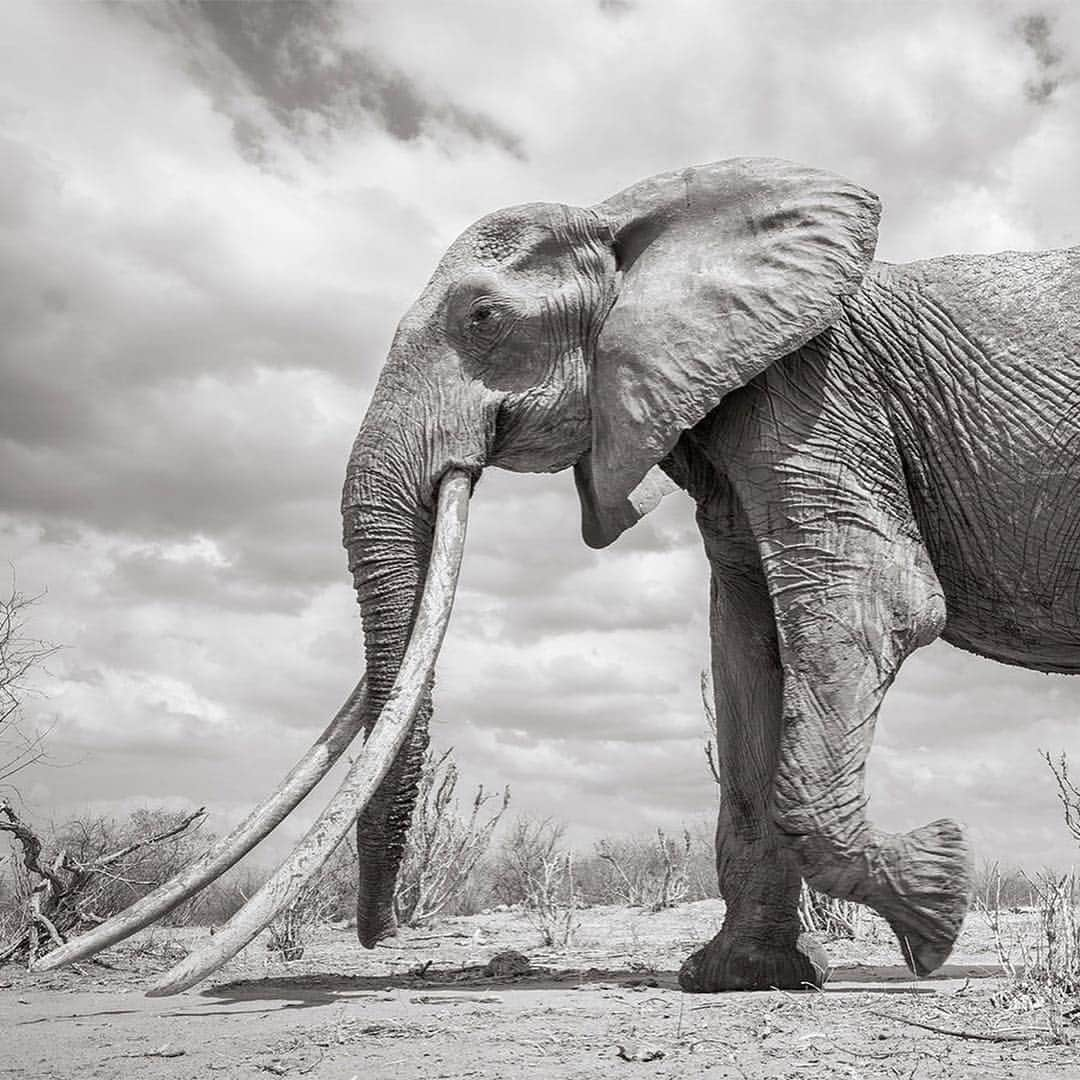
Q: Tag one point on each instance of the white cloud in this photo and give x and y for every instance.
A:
(208, 229)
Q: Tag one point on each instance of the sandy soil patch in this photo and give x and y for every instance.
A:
(606, 1006)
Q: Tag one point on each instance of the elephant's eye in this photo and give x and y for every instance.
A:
(480, 314)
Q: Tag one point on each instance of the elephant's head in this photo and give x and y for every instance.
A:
(552, 336)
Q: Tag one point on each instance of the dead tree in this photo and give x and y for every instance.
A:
(60, 892)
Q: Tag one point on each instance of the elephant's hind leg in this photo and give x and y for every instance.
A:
(759, 946)
(854, 593)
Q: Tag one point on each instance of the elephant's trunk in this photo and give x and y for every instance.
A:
(389, 547)
(400, 455)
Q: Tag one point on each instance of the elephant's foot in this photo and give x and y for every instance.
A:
(923, 886)
(739, 961)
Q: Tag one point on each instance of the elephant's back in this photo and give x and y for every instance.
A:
(1004, 303)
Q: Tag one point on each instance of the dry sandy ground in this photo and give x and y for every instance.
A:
(423, 1008)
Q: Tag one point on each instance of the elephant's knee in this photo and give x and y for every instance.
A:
(927, 618)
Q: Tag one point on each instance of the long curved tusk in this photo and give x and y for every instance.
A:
(305, 774)
(380, 749)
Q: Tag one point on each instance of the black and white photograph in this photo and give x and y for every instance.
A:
(625, 454)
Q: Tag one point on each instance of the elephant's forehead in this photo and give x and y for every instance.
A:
(509, 234)
(508, 239)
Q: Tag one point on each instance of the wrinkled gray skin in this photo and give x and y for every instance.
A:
(880, 455)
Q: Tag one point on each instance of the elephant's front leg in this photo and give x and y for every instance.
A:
(759, 946)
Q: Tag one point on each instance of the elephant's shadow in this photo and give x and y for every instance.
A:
(465, 984)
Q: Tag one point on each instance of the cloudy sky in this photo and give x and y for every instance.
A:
(211, 218)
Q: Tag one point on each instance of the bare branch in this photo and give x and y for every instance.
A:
(1067, 792)
(714, 767)
(30, 843)
(19, 655)
(443, 846)
(956, 1033)
(108, 860)
(712, 745)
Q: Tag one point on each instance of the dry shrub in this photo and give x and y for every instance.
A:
(1044, 967)
(222, 899)
(1002, 890)
(320, 902)
(655, 873)
(155, 852)
(1054, 962)
(444, 847)
(522, 852)
(1067, 793)
(329, 897)
(551, 905)
(90, 869)
(534, 871)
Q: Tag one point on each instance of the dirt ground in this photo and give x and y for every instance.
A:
(606, 1006)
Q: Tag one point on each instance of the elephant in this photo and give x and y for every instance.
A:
(880, 455)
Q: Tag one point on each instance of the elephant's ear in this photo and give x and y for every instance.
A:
(724, 269)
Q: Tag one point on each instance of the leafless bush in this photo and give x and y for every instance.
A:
(1067, 792)
(644, 872)
(1044, 968)
(1055, 960)
(87, 873)
(443, 848)
(329, 897)
(995, 889)
(988, 899)
(20, 654)
(1054, 964)
(551, 905)
(533, 870)
(141, 850)
(221, 899)
(319, 903)
(522, 852)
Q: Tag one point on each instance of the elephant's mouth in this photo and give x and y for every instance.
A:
(360, 783)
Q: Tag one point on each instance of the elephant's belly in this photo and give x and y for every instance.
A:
(1001, 523)
(1024, 649)
(1033, 627)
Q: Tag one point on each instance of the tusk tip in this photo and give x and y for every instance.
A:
(168, 988)
(52, 960)
(180, 978)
